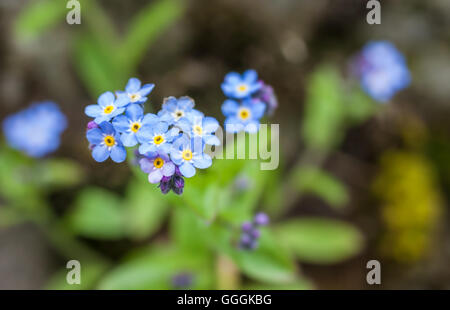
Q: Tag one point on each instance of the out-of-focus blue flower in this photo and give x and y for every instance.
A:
(241, 86)
(157, 138)
(250, 231)
(243, 116)
(35, 130)
(198, 126)
(134, 92)
(106, 143)
(157, 167)
(267, 95)
(382, 70)
(107, 108)
(174, 110)
(188, 154)
(130, 124)
(182, 280)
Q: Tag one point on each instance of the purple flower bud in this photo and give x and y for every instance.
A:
(261, 219)
(165, 187)
(247, 226)
(178, 182)
(91, 125)
(182, 280)
(255, 233)
(267, 95)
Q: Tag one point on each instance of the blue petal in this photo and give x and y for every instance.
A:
(250, 76)
(230, 107)
(211, 140)
(118, 154)
(122, 101)
(257, 108)
(233, 78)
(210, 124)
(170, 104)
(107, 128)
(106, 99)
(252, 127)
(133, 86)
(175, 156)
(185, 103)
(94, 136)
(233, 125)
(146, 89)
(147, 148)
(121, 123)
(129, 139)
(134, 112)
(100, 153)
(165, 147)
(202, 162)
(149, 119)
(161, 127)
(187, 170)
(93, 110)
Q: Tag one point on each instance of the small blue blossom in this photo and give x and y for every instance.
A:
(130, 124)
(174, 110)
(134, 92)
(107, 108)
(244, 116)
(188, 154)
(35, 130)
(241, 86)
(157, 167)
(198, 126)
(382, 70)
(157, 138)
(106, 143)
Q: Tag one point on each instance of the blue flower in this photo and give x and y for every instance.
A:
(382, 70)
(35, 130)
(157, 167)
(157, 138)
(107, 108)
(241, 86)
(174, 110)
(198, 126)
(130, 124)
(106, 143)
(188, 154)
(243, 116)
(134, 92)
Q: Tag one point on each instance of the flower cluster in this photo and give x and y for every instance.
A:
(250, 232)
(248, 100)
(36, 130)
(382, 70)
(170, 143)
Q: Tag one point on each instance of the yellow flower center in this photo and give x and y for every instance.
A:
(134, 97)
(186, 154)
(158, 162)
(158, 139)
(109, 141)
(242, 88)
(198, 130)
(108, 109)
(244, 113)
(135, 127)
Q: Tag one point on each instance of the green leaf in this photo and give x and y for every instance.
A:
(145, 209)
(309, 179)
(37, 17)
(150, 22)
(359, 106)
(320, 240)
(154, 268)
(97, 214)
(58, 173)
(324, 111)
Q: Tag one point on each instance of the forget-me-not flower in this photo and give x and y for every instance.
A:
(238, 86)
(244, 116)
(188, 154)
(107, 108)
(157, 166)
(199, 126)
(106, 143)
(174, 110)
(130, 124)
(35, 130)
(382, 70)
(157, 138)
(134, 92)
